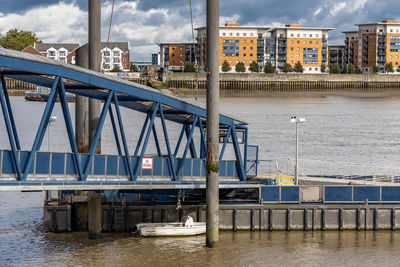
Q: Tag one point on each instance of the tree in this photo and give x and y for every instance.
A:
(335, 69)
(389, 68)
(240, 67)
(351, 69)
(323, 67)
(298, 67)
(190, 67)
(134, 68)
(116, 69)
(357, 70)
(18, 40)
(287, 68)
(145, 70)
(226, 67)
(376, 69)
(269, 68)
(254, 67)
(398, 69)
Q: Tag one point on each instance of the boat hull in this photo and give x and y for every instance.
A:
(170, 229)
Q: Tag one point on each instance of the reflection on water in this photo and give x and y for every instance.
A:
(337, 128)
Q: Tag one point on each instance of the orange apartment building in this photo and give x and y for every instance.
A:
(374, 44)
(236, 44)
(294, 43)
(175, 55)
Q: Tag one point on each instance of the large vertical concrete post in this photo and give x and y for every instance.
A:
(94, 204)
(94, 64)
(94, 215)
(82, 106)
(212, 183)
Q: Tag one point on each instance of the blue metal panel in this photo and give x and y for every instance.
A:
(71, 169)
(231, 168)
(84, 159)
(361, 193)
(203, 168)
(391, 193)
(270, 194)
(23, 157)
(196, 167)
(157, 166)
(42, 163)
(290, 194)
(337, 193)
(8, 164)
(112, 165)
(99, 165)
(10, 112)
(57, 163)
(166, 169)
(187, 168)
(222, 168)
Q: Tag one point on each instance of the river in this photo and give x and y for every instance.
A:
(359, 130)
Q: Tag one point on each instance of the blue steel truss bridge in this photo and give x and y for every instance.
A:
(164, 169)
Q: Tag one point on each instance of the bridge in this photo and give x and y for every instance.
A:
(164, 168)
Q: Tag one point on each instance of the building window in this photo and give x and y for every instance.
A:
(298, 48)
(310, 42)
(304, 42)
(291, 48)
(304, 35)
(223, 34)
(251, 48)
(244, 34)
(298, 42)
(52, 54)
(316, 42)
(244, 48)
(244, 61)
(291, 55)
(180, 55)
(173, 55)
(298, 55)
(180, 48)
(310, 69)
(237, 34)
(124, 59)
(244, 41)
(298, 35)
(173, 61)
(292, 35)
(291, 62)
(292, 42)
(230, 34)
(316, 35)
(251, 34)
(316, 69)
(230, 61)
(251, 55)
(310, 35)
(237, 61)
(244, 54)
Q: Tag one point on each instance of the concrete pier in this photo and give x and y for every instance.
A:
(94, 215)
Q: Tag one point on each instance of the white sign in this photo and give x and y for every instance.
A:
(147, 164)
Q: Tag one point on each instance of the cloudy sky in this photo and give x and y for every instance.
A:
(146, 22)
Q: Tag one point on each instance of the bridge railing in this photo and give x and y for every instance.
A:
(50, 165)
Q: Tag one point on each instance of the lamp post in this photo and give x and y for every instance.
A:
(51, 120)
(296, 120)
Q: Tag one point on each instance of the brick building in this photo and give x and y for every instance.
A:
(64, 52)
(175, 55)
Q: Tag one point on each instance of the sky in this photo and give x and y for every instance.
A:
(144, 23)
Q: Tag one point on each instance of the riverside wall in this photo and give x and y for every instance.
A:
(253, 83)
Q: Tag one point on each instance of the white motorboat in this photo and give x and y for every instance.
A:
(187, 228)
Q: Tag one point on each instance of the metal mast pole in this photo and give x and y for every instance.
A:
(94, 64)
(297, 155)
(212, 184)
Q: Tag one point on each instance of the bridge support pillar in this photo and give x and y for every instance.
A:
(94, 215)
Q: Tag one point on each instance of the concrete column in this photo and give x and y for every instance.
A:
(94, 215)
(82, 106)
(212, 184)
(94, 64)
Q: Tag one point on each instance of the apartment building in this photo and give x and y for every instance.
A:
(294, 43)
(237, 43)
(351, 48)
(175, 55)
(336, 55)
(374, 44)
(64, 52)
(115, 55)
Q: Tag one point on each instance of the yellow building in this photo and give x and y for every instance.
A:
(236, 44)
(374, 44)
(294, 43)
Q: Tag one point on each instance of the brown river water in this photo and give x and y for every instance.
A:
(343, 129)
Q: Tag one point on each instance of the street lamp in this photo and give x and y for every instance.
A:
(296, 120)
(51, 120)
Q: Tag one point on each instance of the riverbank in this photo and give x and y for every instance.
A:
(256, 84)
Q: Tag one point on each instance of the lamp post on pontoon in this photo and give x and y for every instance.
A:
(296, 120)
